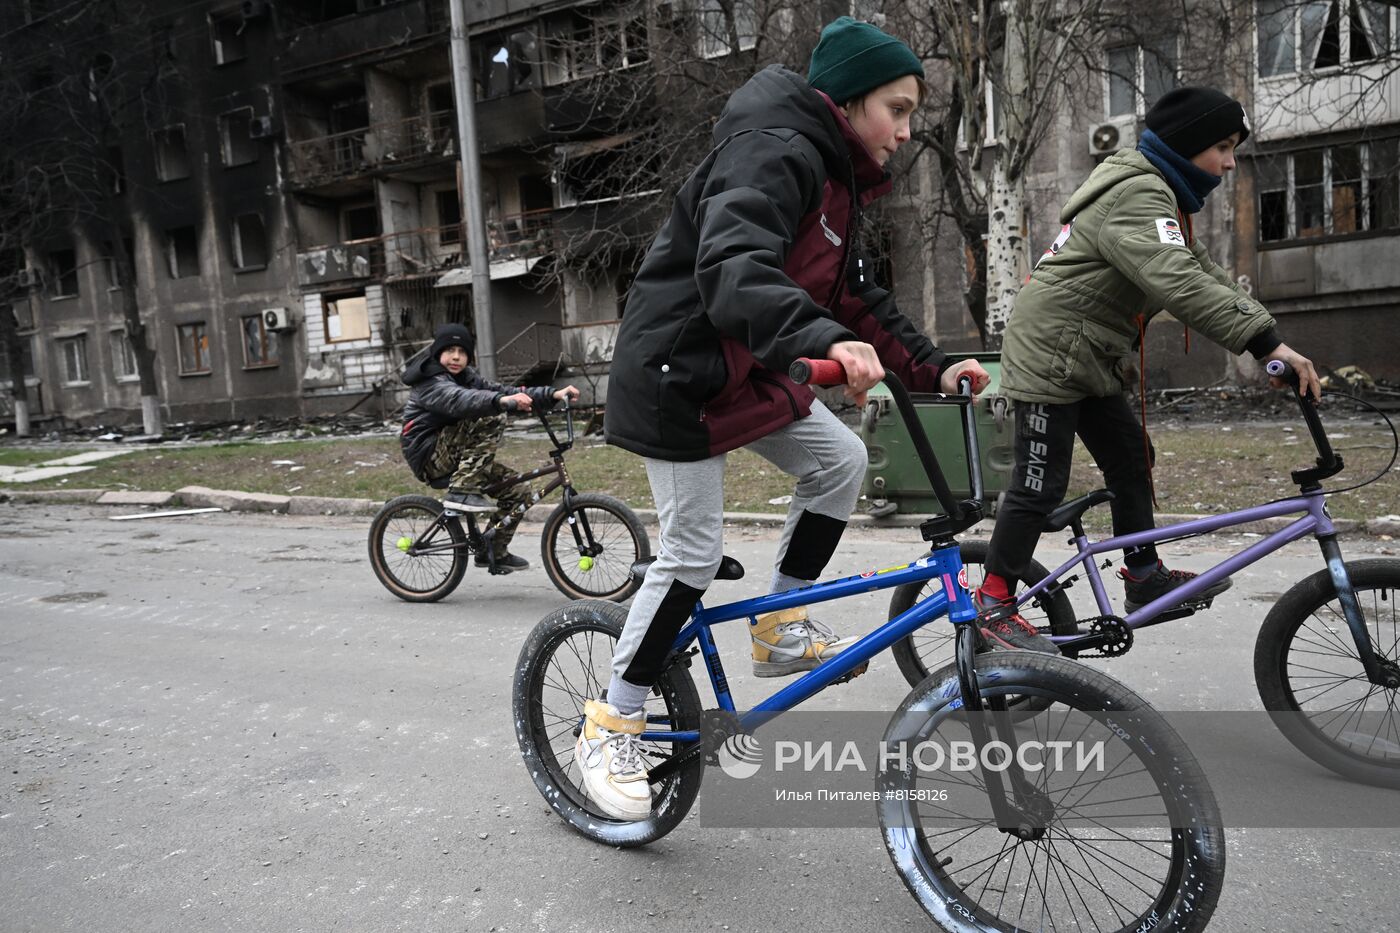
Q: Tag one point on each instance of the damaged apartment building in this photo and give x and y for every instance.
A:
(295, 200)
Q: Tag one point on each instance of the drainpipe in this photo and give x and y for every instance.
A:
(465, 98)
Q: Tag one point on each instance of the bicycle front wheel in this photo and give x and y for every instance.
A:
(1126, 839)
(927, 649)
(1311, 680)
(417, 557)
(613, 540)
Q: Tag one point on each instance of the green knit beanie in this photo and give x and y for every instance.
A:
(854, 58)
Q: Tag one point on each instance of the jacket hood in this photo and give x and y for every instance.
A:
(777, 97)
(422, 370)
(1116, 169)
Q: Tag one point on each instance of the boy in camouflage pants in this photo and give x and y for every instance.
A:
(453, 423)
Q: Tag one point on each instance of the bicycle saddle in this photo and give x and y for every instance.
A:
(729, 568)
(1071, 511)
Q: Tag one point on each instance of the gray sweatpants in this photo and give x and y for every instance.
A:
(828, 461)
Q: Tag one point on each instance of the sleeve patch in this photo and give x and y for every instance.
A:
(1169, 231)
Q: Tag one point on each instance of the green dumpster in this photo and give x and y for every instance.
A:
(894, 478)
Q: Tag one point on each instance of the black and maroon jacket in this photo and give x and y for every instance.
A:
(755, 267)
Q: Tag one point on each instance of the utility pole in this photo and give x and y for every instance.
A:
(464, 96)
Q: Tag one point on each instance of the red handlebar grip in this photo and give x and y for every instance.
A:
(817, 372)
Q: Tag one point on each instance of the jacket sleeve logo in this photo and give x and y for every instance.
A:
(1169, 231)
(830, 233)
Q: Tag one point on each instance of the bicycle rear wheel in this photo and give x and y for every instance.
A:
(403, 527)
(602, 570)
(1311, 680)
(927, 649)
(1134, 843)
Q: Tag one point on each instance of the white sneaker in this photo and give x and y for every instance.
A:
(607, 754)
(787, 642)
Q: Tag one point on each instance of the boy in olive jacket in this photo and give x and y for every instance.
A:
(1126, 251)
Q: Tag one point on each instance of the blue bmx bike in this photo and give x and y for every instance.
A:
(1131, 843)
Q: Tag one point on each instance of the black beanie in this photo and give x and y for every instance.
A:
(452, 335)
(1192, 119)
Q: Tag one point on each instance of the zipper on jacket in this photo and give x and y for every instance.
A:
(791, 401)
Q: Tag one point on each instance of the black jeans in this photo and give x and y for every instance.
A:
(1044, 448)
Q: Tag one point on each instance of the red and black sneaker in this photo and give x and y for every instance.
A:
(1004, 627)
(1161, 581)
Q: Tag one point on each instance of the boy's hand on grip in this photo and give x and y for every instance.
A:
(972, 369)
(1308, 381)
(568, 392)
(862, 365)
(517, 402)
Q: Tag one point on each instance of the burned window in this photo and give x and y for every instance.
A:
(172, 155)
(109, 261)
(249, 242)
(123, 356)
(236, 143)
(26, 362)
(63, 274)
(182, 252)
(347, 317)
(226, 32)
(449, 212)
(507, 63)
(75, 361)
(1271, 183)
(193, 340)
(259, 343)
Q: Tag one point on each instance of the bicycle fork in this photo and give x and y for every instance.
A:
(1378, 671)
(1026, 813)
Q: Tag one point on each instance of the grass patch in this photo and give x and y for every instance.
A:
(1200, 469)
(31, 456)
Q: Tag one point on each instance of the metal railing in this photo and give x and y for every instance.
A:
(536, 345)
(380, 145)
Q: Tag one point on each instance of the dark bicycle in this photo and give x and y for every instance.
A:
(419, 548)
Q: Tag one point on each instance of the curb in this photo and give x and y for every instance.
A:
(236, 501)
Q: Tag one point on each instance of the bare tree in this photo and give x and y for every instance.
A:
(74, 83)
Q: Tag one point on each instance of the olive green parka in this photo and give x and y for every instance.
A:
(1122, 254)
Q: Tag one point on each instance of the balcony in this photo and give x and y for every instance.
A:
(513, 242)
(394, 30)
(380, 147)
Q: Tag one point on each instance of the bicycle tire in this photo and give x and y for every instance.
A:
(1168, 866)
(927, 649)
(423, 578)
(616, 530)
(548, 706)
(1310, 677)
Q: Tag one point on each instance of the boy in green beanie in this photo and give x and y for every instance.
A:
(755, 267)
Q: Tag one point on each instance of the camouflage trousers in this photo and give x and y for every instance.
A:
(467, 451)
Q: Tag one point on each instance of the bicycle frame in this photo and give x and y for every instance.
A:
(953, 598)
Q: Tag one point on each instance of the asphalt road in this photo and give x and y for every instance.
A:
(223, 722)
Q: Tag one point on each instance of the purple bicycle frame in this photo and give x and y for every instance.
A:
(1316, 521)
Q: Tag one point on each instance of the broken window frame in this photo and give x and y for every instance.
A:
(123, 356)
(73, 351)
(192, 345)
(172, 154)
(1290, 34)
(1165, 51)
(236, 144)
(245, 239)
(358, 316)
(1377, 210)
(260, 348)
(237, 46)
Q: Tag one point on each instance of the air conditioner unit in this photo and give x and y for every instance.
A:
(277, 319)
(253, 9)
(1107, 138)
(260, 127)
(28, 278)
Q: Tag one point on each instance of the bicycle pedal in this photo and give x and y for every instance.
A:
(852, 675)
